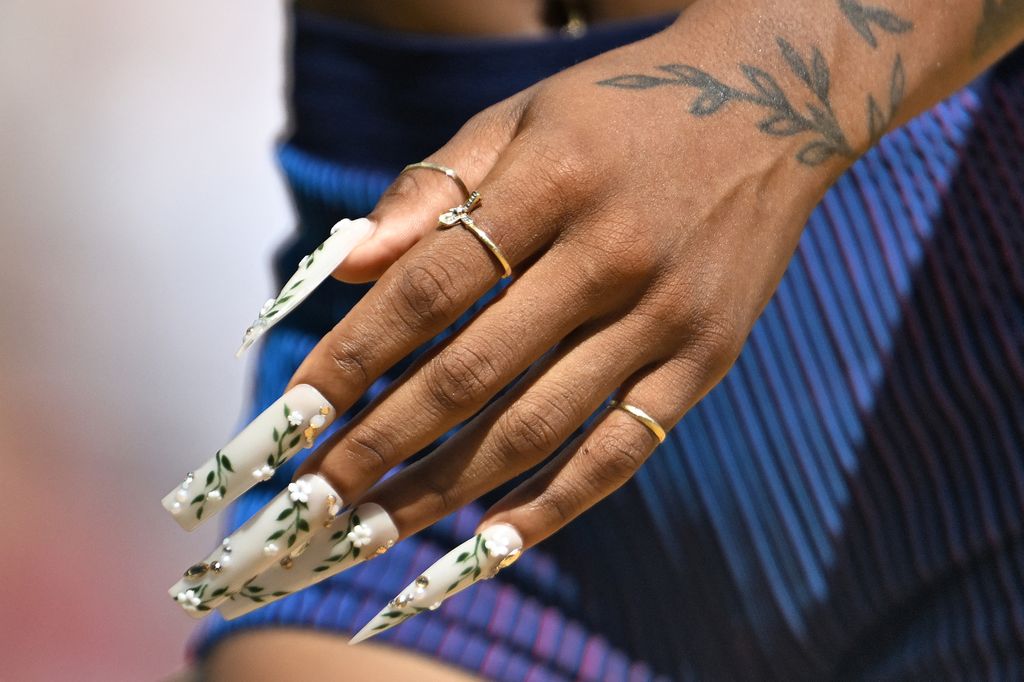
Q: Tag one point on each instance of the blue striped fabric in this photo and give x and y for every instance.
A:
(847, 503)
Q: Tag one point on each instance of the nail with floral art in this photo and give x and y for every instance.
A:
(281, 529)
(350, 538)
(290, 424)
(478, 558)
(312, 270)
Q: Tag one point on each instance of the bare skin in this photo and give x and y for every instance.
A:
(669, 267)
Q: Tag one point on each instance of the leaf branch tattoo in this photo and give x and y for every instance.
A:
(862, 17)
(782, 118)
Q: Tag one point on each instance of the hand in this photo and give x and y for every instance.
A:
(644, 242)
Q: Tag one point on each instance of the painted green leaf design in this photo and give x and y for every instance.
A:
(197, 499)
(209, 478)
(227, 463)
(295, 441)
(338, 535)
(320, 569)
(462, 557)
(277, 436)
(285, 514)
(302, 525)
(291, 539)
(275, 535)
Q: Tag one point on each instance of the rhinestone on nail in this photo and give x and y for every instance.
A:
(422, 583)
(197, 571)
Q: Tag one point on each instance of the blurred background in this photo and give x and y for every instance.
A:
(139, 206)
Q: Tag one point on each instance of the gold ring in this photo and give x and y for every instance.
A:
(647, 420)
(452, 175)
(460, 215)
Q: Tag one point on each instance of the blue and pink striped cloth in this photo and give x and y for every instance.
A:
(848, 503)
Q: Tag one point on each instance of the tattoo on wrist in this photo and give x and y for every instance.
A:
(999, 19)
(782, 117)
(863, 17)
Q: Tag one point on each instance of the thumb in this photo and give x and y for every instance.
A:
(409, 208)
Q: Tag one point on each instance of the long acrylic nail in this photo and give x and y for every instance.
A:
(478, 558)
(290, 424)
(355, 536)
(278, 530)
(313, 269)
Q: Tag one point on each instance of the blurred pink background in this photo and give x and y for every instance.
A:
(139, 204)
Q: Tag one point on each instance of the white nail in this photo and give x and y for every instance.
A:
(264, 445)
(353, 537)
(478, 558)
(312, 270)
(285, 523)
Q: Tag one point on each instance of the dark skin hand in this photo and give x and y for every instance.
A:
(649, 200)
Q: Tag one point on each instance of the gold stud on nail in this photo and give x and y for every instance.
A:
(197, 571)
(287, 562)
(509, 559)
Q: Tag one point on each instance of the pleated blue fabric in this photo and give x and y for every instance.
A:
(847, 503)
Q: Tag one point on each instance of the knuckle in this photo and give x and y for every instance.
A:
(559, 501)
(533, 426)
(439, 497)
(349, 361)
(620, 453)
(370, 450)
(422, 297)
(460, 377)
(717, 342)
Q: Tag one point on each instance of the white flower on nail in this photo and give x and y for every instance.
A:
(263, 473)
(299, 491)
(497, 546)
(267, 306)
(188, 598)
(360, 535)
(214, 495)
(295, 418)
(270, 549)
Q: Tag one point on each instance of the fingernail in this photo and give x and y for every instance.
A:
(313, 269)
(289, 425)
(478, 558)
(279, 529)
(355, 536)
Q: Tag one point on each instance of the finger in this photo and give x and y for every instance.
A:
(592, 467)
(287, 426)
(433, 284)
(516, 432)
(282, 527)
(360, 250)
(455, 381)
(408, 209)
(604, 458)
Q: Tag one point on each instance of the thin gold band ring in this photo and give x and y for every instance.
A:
(450, 172)
(460, 215)
(647, 420)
